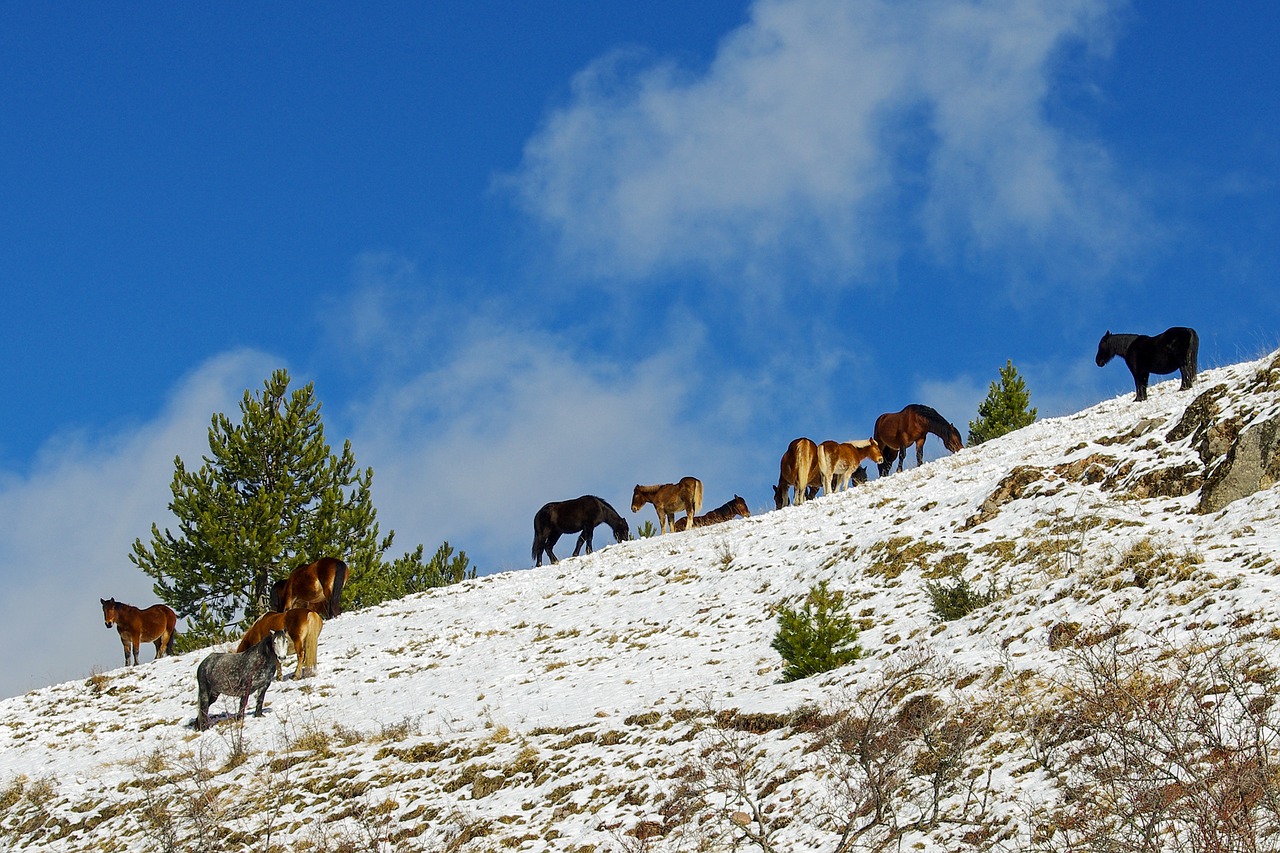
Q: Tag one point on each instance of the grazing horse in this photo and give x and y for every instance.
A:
(668, 499)
(727, 512)
(320, 582)
(239, 674)
(895, 431)
(580, 514)
(157, 624)
(838, 460)
(1176, 348)
(797, 470)
(300, 625)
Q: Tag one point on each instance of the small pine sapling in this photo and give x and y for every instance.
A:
(817, 637)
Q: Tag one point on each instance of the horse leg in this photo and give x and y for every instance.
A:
(583, 539)
(134, 642)
(919, 452)
(548, 545)
(262, 697)
(1140, 381)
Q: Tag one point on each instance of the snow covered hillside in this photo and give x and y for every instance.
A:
(1119, 681)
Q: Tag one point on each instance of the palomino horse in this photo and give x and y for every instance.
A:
(726, 512)
(157, 624)
(300, 625)
(797, 470)
(580, 514)
(670, 498)
(895, 431)
(1173, 349)
(318, 583)
(838, 460)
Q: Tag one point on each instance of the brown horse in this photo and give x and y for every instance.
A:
(896, 430)
(670, 498)
(318, 583)
(157, 624)
(838, 460)
(727, 512)
(797, 470)
(300, 625)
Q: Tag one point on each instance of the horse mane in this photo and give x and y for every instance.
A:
(931, 415)
(864, 442)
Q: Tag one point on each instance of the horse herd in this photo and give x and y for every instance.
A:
(805, 468)
(296, 604)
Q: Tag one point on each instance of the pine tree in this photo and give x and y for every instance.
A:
(817, 637)
(1005, 408)
(269, 496)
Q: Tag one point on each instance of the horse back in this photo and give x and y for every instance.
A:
(261, 629)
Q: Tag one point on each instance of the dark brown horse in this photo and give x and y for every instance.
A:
(157, 624)
(318, 583)
(726, 512)
(300, 625)
(797, 470)
(668, 499)
(895, 431)
(1173, 349)
(583, 515)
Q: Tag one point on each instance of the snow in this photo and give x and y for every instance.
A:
(552, 708)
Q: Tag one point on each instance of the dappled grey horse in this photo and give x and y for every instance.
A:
(239, 674)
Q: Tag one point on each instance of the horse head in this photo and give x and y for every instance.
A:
(108, 611)
(952, 439)
(780, 496)
(875, 455)
(637, 499)
(740, 507)
(621, 532)
(1105, 352)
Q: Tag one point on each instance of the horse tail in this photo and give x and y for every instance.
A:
(339, 581)
(173, 636)
(697, 498)
(1191, 362)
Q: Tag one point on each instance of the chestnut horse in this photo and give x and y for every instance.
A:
(797, 470)
(838, 460)
(580, 514)
(1173, 349)
(668, 499)
(157, 624)
(726, 512)
(300, 625)
(896, 430)
(318, 583)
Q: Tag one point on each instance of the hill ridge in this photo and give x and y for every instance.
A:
(629, 699)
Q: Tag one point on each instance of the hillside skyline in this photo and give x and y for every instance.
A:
(526, 254)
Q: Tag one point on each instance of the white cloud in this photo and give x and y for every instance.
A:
(72, 519)
(822, 133)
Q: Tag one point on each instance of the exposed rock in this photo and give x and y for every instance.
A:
(1252, 464)
(1172, 482)
(1091, 469)
(1143, 427)
(1012, 487)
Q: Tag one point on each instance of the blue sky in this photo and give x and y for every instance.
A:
(530, 251)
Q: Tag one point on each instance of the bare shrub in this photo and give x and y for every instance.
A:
(903, 757)
(1164, 748)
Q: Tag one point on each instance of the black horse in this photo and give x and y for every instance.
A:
(580, 514)
(1173, 349)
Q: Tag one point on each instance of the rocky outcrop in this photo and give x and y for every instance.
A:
(1251, 464)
